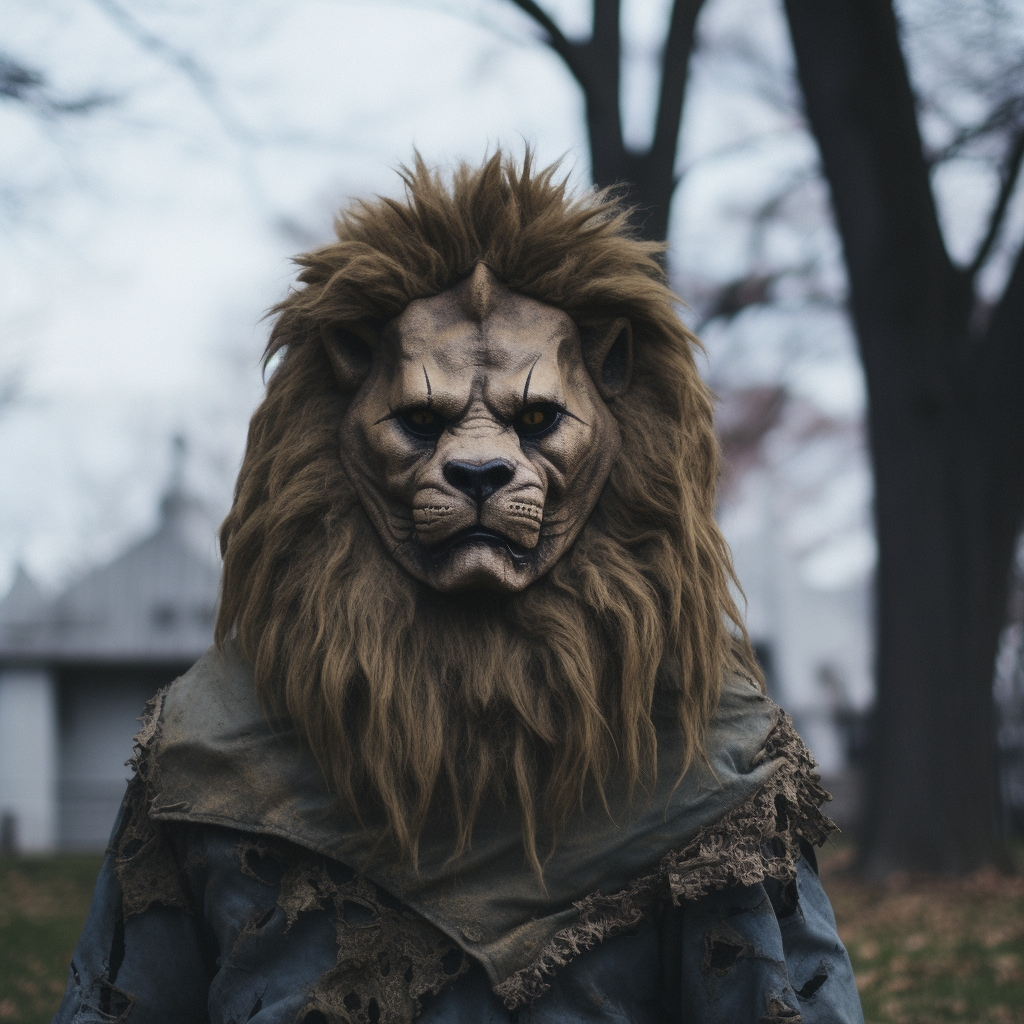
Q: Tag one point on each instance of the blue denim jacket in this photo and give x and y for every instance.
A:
(742, 954)
(235, 890)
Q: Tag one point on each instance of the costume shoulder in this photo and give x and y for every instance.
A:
(214, 757)
(209, 755)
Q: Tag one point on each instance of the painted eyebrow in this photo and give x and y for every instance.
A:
(430, 400)
(526, 389)
(562, 409)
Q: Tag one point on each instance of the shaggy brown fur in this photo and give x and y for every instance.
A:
(406, 697)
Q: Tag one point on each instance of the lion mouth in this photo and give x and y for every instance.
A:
(482, 535)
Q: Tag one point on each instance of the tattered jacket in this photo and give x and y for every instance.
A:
(235, 890)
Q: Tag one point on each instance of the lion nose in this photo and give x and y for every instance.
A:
(479, 480)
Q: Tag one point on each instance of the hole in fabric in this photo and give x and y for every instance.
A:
(356, 914)
(815, 982)
(781, 814)
(724, 956)
(116, 949)
(261, 866)
(314, 1017)
(112, 1001)
(340, 874)
(396, 959)
(723, 948)
(265, 919)
(451, 962)
(130, 848)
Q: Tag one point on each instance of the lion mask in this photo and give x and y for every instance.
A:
(472, 549)
(478, 442)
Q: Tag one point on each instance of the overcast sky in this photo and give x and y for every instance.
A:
(145, 239)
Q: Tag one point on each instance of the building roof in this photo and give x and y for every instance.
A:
(22, 602)
(156, 603)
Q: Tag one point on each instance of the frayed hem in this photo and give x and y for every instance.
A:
(757, 840)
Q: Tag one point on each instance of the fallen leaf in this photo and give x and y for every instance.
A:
(901, 983)
(865, 979)
(1006, 968)
(1000, 1014)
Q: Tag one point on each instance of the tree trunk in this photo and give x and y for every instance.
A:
(946, 432)
(648, 176)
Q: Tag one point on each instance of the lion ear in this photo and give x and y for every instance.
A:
(350, 350)
(609, 358)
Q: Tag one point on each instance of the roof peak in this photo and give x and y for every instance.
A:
(177, 506)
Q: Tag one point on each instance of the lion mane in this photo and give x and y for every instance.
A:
(414, 702)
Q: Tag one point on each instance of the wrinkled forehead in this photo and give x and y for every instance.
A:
(461, 341)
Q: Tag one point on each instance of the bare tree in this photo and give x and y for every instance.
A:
(945, 371)
(595, 64)
(944, 368)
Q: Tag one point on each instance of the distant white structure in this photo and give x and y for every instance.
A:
(75, 672)
(795, 510)
(817, 643)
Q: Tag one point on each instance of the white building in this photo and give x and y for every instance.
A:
(75, 672)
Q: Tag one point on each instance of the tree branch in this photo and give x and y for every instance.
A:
(996, 374)
(675, 64)
(1008, 113)
(11, 387)
(568, 50)
(182, 61)
(1003, 345)
(601, 56)
(861, 109)
(1011, 171)
(607, 31)
(26, 85)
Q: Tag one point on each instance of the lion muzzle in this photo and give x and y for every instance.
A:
(516, 520)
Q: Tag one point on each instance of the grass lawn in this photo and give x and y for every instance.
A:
(931, 949)
(43, 902)
(925, 950)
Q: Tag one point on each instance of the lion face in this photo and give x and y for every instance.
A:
(479, 438)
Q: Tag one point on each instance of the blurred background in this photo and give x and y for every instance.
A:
(839, 182)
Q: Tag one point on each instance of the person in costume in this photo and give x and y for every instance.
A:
(482, 738)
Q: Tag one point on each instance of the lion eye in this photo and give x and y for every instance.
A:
(537, 419)
(422, 422)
